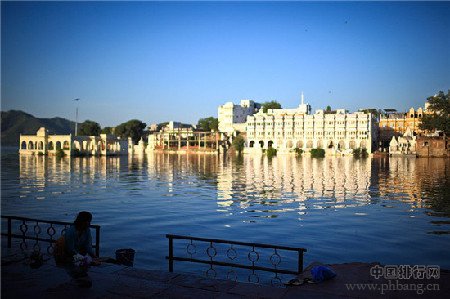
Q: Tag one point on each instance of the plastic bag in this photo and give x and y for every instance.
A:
(322, 273)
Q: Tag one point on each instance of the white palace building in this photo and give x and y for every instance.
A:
(338, 132)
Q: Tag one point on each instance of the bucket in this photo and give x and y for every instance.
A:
(125, 256)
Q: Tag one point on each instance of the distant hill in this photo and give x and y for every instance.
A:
(16, 122)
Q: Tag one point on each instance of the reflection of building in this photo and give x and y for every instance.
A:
(405, 177)
(288, 179)
(287, 129)
(43, 143)
(232, 117)
(37, 171)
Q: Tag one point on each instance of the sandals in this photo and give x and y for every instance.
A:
(298, 282)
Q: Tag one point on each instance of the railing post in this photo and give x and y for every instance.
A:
(300, 261)
(170, 253)
(9, 232)
(97, 241)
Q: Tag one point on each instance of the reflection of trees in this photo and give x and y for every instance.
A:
(435, 185)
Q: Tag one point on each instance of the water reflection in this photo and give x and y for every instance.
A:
(255, 184)
(332, 182)
(338, 206)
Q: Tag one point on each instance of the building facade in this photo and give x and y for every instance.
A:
(232, 117)
(45, 144)
(433, 146)
(182, 138)
(287, 129)
(396, 124)
(403, 145)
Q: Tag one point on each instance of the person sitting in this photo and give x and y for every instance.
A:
(74, 249)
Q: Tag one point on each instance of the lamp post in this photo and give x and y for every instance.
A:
(76, 118)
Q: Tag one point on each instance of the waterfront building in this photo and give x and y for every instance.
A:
(45, 144)
(433, 146)
(286, 129)
(180, 137)
(232, 117)
(403, 145)
(393, 123)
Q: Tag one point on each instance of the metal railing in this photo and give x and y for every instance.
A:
(251, 255)
(43, 231)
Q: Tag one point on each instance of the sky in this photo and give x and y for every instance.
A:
(162, 61)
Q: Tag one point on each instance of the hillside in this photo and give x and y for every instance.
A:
(16, 122)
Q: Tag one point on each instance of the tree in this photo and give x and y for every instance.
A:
(328, 109)
(208, 124)
(108, 130)
(89, 128)
(238, 144)
(133, 128)
(270, 105)
(439, 118)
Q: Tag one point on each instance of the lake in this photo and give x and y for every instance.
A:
(342, 209)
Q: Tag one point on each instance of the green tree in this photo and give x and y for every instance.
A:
(133, 128)
(108, 130)
(89, 128)
(439, 118)
(270, 105)
(208, 124)
(238, 144)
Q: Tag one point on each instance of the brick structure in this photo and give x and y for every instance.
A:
(436, 146)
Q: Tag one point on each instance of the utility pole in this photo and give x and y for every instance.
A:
(76, 118)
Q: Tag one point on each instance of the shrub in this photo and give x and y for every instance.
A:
(298, 151)
(40, 153)
(364, 153)
(317, 153)
(357, 152)
(270, 152)
(238, 144)
(60, 153)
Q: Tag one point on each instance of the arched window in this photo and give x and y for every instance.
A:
(41, 145)
(30, 145)
(23, 145)
(261, 144)
(300, 144)
(66, 145)
(309, 144)
(50, 145)
(352, 144)
(341, 145)
(252, 143)
(319, 144)
(269, 144)
(58, 145)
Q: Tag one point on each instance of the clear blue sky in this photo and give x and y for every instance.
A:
(180, 61)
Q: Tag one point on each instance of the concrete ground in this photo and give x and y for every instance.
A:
(19, 280)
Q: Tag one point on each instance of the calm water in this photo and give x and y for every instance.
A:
(341, 209)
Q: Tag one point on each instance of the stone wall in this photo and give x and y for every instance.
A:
(433, 146)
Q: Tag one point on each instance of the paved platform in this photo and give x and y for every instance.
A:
(19, 280)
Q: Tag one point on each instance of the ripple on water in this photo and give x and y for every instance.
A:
(339, 208)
